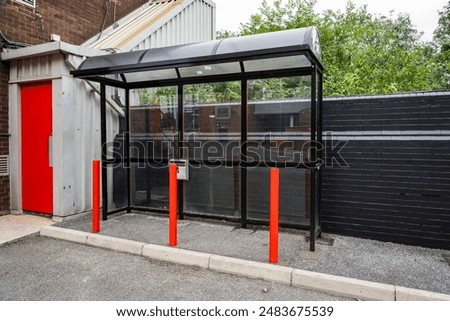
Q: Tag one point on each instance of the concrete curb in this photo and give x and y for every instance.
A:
(64, 234)
(255, 270)
(336, 285)
(408, 294)
(343, 286)
(174, 255)
(115, 244)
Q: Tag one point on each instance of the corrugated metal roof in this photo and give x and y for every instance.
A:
(137, 24)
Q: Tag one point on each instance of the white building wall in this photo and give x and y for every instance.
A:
(193, 23)
(76, 133)
(82, 143)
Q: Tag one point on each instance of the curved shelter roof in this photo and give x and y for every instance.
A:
(283, 50)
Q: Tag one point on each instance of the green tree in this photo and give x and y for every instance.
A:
(442, 42)
(363, 53)
(222, 34)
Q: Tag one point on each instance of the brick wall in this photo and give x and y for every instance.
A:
(4, 148)
(74, 21)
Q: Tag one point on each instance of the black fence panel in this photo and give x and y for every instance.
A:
(387, 173)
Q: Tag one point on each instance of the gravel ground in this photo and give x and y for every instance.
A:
(39, 268)
(384, 262)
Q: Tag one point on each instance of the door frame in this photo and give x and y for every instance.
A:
(50, 151)
(15, 145)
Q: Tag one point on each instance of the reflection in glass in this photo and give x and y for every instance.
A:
(209, 70)
(279, 119)
(295, 194)
(150, 185)
(115, 122)
(212, 121)
(117, 186)
(277, 63)
(214, 191)
(153, 122)
(212, 124)
(150, 75)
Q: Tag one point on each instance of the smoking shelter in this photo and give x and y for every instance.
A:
(227, 111)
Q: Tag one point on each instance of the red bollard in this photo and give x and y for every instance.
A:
(173, 204)
(96, 196)
(274, 212)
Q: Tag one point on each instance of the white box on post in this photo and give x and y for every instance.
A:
(182, 168)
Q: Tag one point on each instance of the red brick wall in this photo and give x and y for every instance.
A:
(4, 148)
(74, 21)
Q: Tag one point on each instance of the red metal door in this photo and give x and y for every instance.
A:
(37, 173)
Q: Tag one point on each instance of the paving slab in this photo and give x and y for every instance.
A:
(16, 227)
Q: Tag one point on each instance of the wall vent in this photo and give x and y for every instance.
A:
(4, 165)
(31, 3)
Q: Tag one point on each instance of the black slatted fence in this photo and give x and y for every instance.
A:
(391, 179)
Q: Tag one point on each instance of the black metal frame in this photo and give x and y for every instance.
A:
(314, 71)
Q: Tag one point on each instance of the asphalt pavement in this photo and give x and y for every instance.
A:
(382, 262)
(39, 268)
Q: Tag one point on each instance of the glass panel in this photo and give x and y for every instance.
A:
(117, 186)
(294, 195)
(279, 113)
(214, 191)
(151, 75)
(154, 122)
(208, 70)
(150, 185)
(115, 123)
(212, 121)
(277, 63)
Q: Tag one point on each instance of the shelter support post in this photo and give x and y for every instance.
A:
(179, 149)
(313, 156)
(244, 118)
(321, 147)
(128, 148)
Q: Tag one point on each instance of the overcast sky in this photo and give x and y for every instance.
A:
(424, 14)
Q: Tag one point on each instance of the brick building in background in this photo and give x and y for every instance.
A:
(31, 22)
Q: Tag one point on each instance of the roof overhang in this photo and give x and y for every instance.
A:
(49, 49)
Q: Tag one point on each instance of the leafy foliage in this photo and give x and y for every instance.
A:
(363, 53)
(442, 41)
